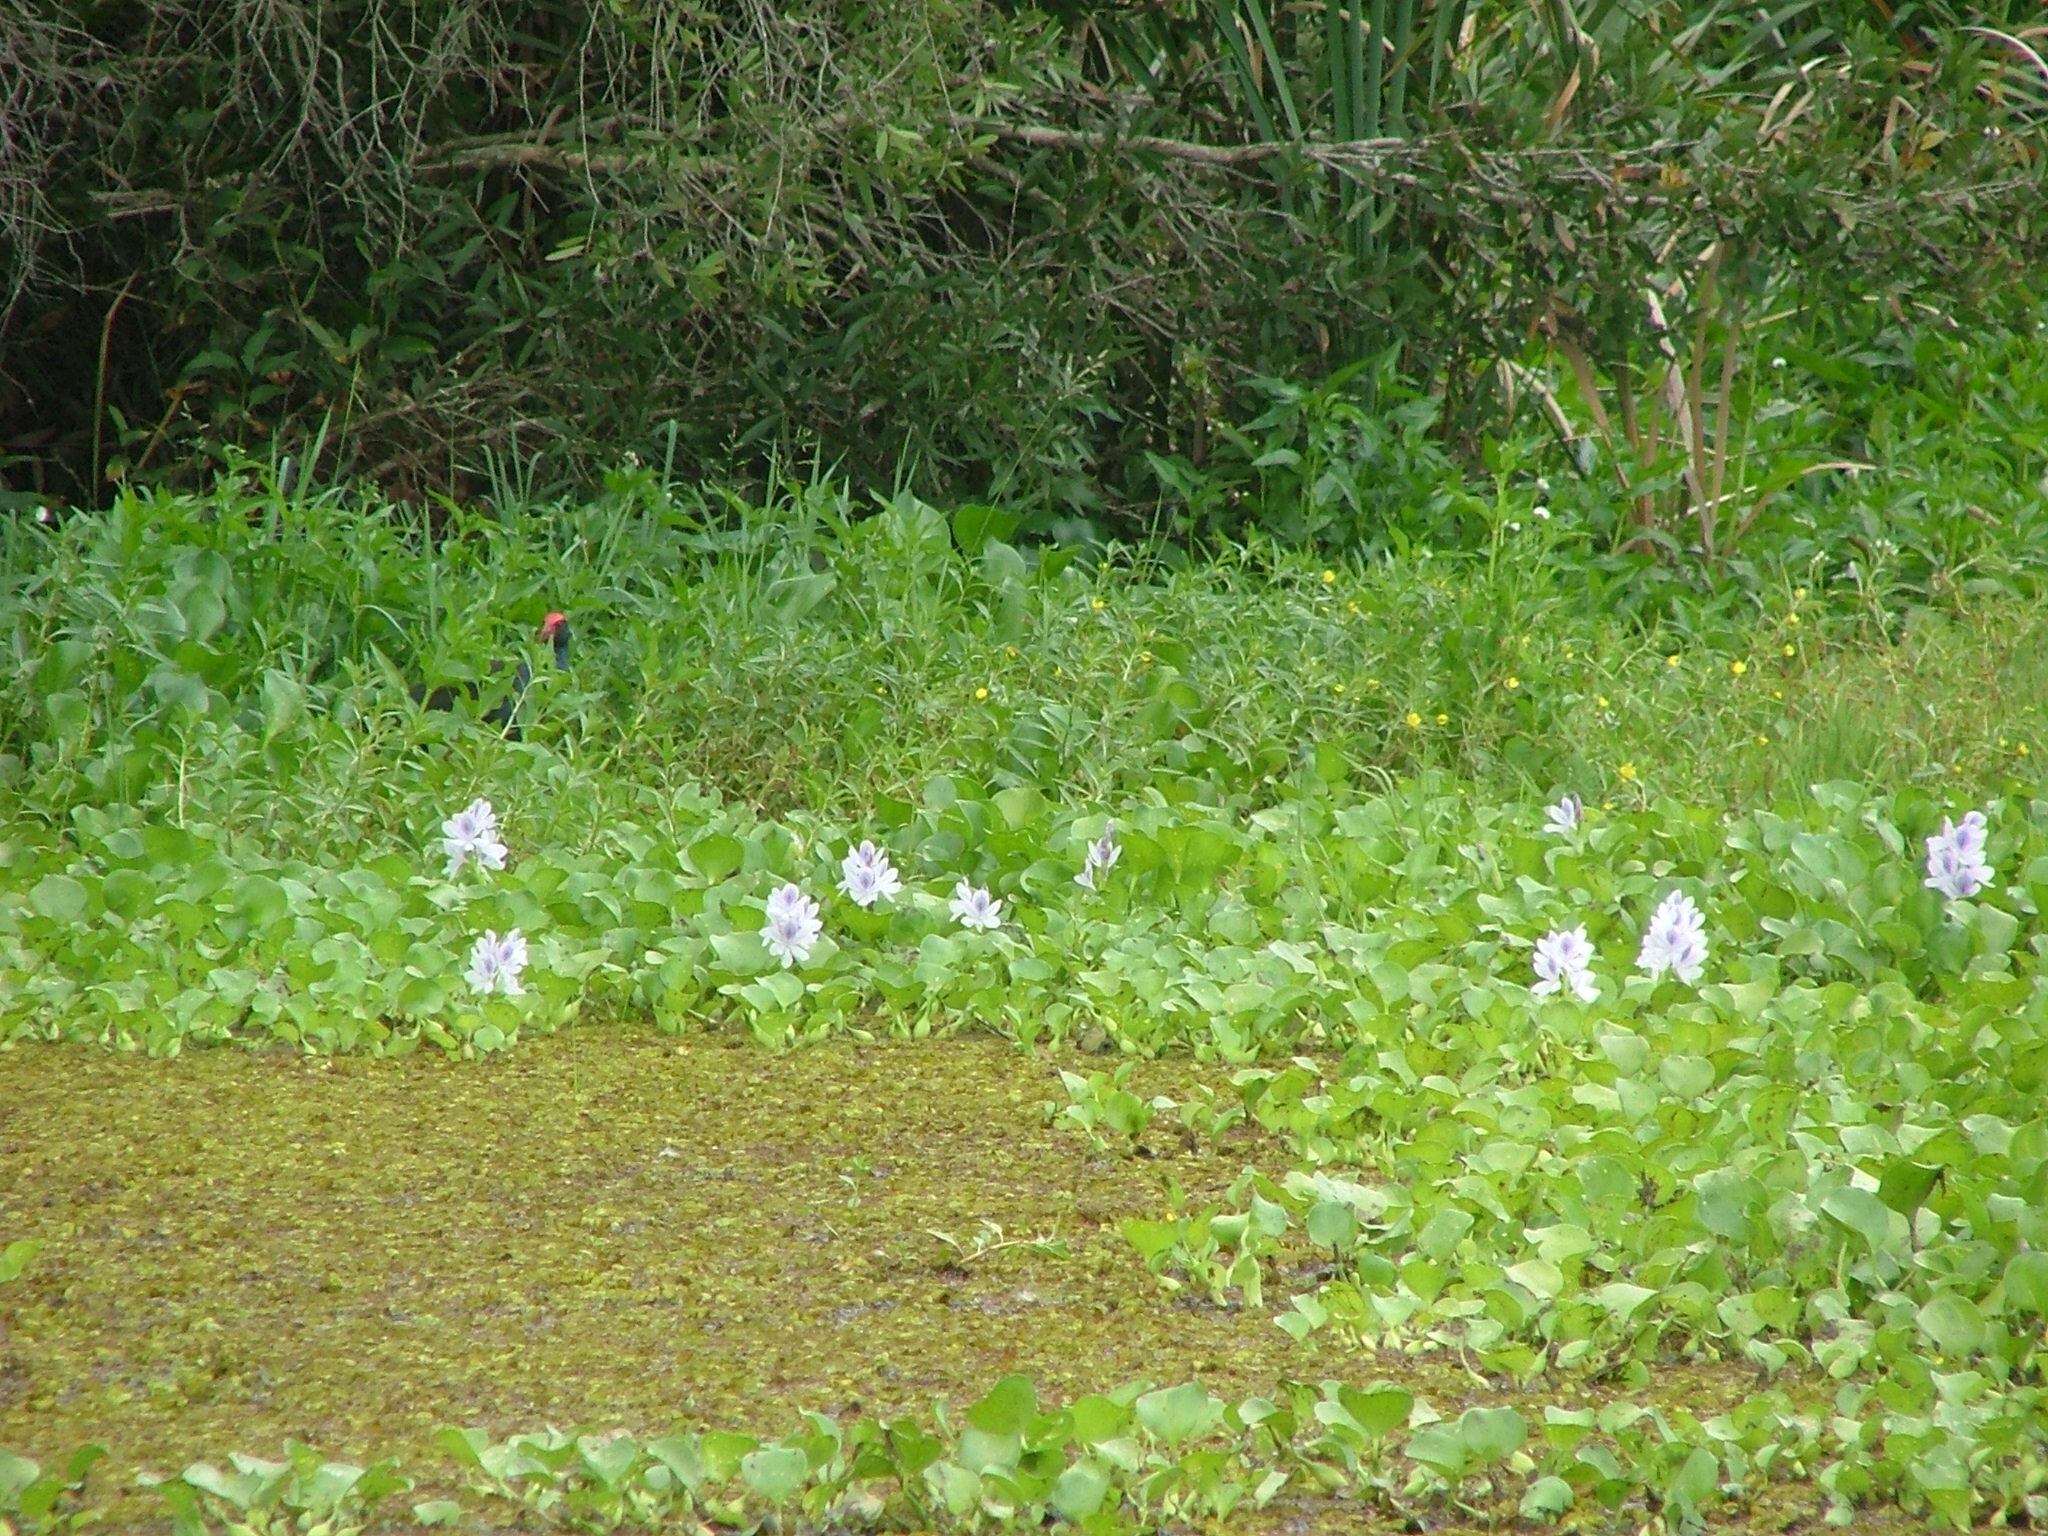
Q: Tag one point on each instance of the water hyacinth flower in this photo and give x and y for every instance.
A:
(1102, 855)
(472, 833)
(1564, 958)
(975, 907)
(866, 875)
(793, 925)
(495, 963)
(1955, 857)
(1675, 941)
(1564, 817)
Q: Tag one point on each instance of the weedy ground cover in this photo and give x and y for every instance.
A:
(1321, 1204)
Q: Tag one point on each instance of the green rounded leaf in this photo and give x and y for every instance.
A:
(2026, 1282)
(59, 898)
(1174, 1414)
(1493, 1434)
(777, 1473)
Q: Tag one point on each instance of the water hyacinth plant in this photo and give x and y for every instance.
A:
(1564, 817)
(472, 833)
(975, 907)
(793, 925)
(1101, 857)
(1676, 940)
(495, 963)
(1564, 959)
(1956, 866)
(867, 876)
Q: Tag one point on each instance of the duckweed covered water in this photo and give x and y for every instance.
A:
(601, 1229)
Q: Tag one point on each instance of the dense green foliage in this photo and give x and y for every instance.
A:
(1824, 1163)
(978, 249)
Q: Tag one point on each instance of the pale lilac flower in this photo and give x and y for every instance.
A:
(1955, 857)
(793, 925)
(1675, 941)
(1563, 818)
(866, 875)
(472, 833)
(1564, 958)
(495, 963)
(1102, 854)
(975, 908)
(1969, 836)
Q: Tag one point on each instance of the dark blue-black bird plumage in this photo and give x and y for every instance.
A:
(555, 629)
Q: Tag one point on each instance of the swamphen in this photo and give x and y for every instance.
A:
(555, 628)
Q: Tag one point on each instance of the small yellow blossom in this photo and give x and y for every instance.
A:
(1627, 772)
(1567, 653)
(1762, 740)
(1601, 700)
(981, 693)
(1010, 651)
(1337, 688)
(1738, 667)
(1329, 578)
(1791, 649)
(1351, 607)
(1799, 594)
(1442, 719)
(880, 689)
(1145, 656)
(1514, 682)
(1777, 693)
(1414, 721)
(1372, 682)
(1671, 660)
(1606, 805)
(1095, 603)
(1791, 618)
(2021, 749)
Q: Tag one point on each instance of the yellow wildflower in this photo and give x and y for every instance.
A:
(1671, 660)
(1627, 772)
(1095, 603)
(1738, 667)
(1329, 578)
(1414, 721)
(1442, 719)
(1514, 682)
(981, 693)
